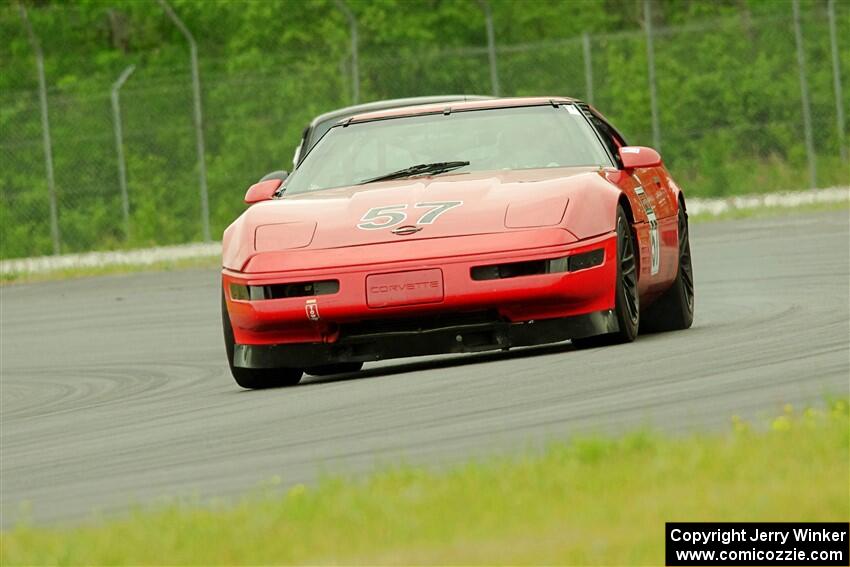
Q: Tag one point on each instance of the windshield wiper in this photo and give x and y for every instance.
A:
(422, 168)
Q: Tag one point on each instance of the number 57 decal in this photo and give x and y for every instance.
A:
(392, 215)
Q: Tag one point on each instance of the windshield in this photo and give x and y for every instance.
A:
(492, 139)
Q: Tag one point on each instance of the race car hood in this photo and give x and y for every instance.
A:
(421, 208)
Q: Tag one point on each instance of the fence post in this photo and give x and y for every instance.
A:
(650, 61)
(588, 67)
(804, 95)
(355, 72)
(836, 80)
(45, 132)
(119, 146)
(491, 45)
(199, 126)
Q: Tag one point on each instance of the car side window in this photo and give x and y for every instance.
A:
(612, 140)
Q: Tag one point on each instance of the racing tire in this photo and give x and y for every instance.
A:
(627, 300)
(254, 378)
(674, 311)
(338, 368)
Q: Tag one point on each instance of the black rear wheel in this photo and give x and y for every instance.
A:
(254, 378)
(627, 300)
(674, 310)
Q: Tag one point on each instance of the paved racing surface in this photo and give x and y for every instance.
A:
(115, 389)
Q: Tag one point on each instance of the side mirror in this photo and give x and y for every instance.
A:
(262, 191)
(265, 188)
(639, 156)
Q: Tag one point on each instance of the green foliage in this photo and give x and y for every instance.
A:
(728, 93)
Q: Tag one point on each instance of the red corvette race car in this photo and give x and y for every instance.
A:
(454, 227)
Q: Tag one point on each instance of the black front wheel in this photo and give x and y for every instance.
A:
(674, 310)
(254, 378)
(627, 300)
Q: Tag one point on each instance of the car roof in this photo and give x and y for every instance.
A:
(458, 106)
(378, 105)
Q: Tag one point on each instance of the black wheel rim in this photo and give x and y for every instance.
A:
(685, 269)
(628, 270)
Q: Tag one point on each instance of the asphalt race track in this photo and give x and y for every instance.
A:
(115, 390)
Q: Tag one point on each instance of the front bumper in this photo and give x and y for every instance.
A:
(322, 323)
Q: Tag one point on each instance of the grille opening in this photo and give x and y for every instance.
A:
(512, 270)
(282, 291)
(586, 260)
(301, 289)
(537, 267)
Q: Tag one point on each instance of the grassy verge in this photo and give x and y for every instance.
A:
(87, 272)
(593, 501)
(766, 212)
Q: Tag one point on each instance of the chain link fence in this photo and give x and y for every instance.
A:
(720, 130)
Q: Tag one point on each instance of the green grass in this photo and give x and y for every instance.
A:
(88, 272)
(591, 501)
(768, 212)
